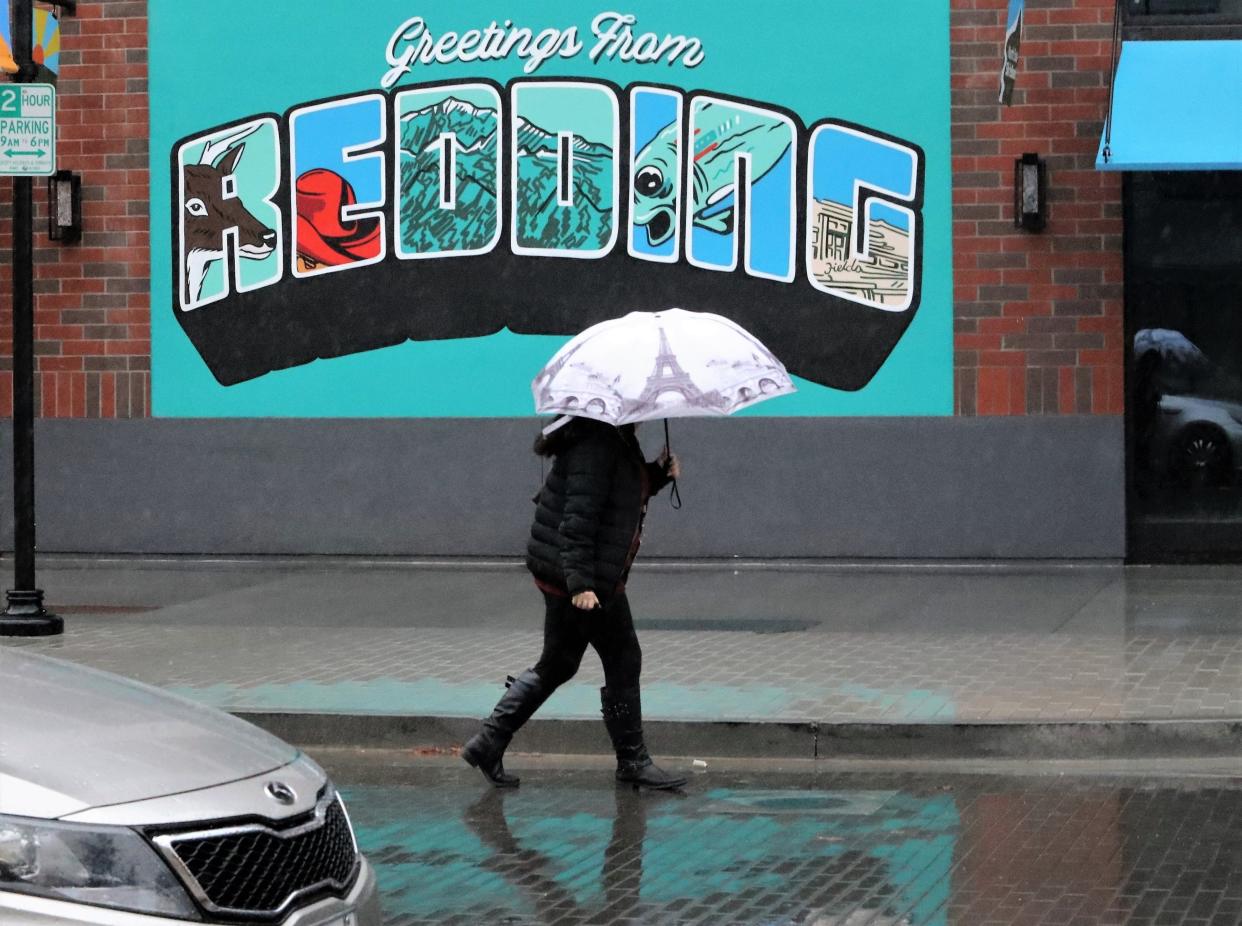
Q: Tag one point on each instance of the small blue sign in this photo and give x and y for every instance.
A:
(1013, 39)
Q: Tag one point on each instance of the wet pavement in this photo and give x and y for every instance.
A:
(759, 845)
(750, 642)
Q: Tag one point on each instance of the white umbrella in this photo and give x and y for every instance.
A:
(670, 364)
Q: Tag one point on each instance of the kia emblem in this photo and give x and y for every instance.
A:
(279, 791)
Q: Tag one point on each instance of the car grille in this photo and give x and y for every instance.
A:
(255, 871)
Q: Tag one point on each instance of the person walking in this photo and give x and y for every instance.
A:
(586, 532)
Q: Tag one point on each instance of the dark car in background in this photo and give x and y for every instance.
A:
(1188, 412)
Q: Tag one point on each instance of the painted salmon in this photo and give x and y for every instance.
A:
(723, 133)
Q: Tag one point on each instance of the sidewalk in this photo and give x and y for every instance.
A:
(806, 649)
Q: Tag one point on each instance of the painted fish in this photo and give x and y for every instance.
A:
(655, 185)
(725, 133)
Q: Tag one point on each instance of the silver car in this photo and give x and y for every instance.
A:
(1198, 439)
(123, 805)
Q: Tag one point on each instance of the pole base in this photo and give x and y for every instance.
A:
(25, 617)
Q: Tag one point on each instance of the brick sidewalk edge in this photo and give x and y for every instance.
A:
(792, 740)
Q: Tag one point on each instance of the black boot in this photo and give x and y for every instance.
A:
(486, 749)
(623, 716)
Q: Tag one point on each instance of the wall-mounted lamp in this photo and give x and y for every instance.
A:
(64, 206)
(1030, 192)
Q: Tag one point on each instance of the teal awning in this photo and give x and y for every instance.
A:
(1176, 106)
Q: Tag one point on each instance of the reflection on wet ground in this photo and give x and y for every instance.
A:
(762, 847)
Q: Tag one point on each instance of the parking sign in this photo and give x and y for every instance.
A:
(28, 129)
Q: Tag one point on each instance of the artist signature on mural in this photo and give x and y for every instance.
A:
(614, 37)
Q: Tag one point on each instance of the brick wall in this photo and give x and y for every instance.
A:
(1038, 325)
(1037, 317)
(92, 299)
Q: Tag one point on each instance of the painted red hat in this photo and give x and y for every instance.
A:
(322, 236)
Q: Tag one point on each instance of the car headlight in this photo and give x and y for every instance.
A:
(106, 866)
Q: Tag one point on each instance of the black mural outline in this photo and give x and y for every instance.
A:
(291, 322)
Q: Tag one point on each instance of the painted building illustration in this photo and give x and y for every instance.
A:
(879, 276)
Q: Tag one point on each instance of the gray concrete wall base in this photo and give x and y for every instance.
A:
(906, 488)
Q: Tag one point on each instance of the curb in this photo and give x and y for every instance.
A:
(788, 740)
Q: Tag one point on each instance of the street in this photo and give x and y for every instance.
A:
(800, 843)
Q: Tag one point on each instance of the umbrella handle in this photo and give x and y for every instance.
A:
(674, 496)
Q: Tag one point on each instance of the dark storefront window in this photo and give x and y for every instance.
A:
(1186, 10)
(1184, 323)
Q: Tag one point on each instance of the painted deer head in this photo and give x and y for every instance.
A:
(211, 208)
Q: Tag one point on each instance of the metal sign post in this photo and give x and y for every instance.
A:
(25, 614)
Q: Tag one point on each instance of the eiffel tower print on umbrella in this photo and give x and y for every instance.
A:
(649, 365)
(668, 378)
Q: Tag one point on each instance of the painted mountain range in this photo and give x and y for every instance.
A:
(541, 221)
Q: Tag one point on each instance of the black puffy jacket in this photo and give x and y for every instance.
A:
(589, 513)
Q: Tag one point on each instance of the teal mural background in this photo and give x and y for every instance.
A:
(883, 64)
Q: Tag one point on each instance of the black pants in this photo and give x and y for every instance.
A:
(610, 630)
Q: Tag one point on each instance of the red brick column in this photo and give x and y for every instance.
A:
(1037, 317)
(92, 299)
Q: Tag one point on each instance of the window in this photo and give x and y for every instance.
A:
(1184, 12)
(1184, 404)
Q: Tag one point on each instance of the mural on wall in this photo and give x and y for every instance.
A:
(44, 44)
(495, 189)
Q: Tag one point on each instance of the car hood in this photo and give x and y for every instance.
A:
(73, 738)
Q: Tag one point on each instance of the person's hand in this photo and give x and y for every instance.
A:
(669, 463)
(585, 601)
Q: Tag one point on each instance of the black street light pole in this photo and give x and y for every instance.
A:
(24, 616)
